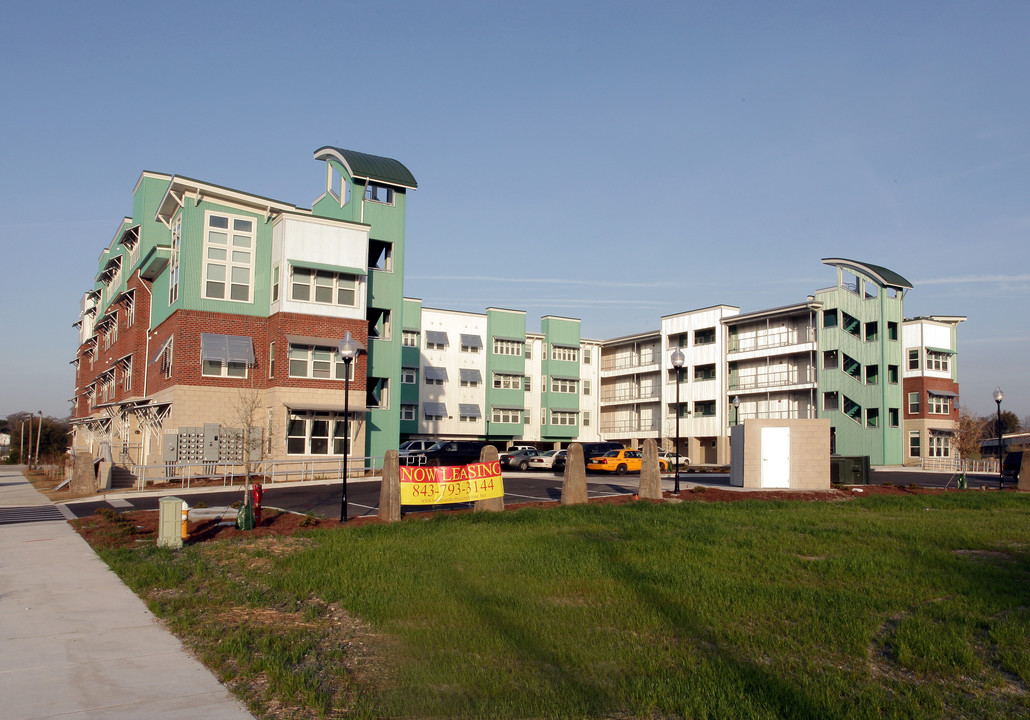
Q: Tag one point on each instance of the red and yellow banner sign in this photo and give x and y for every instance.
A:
(451, 483)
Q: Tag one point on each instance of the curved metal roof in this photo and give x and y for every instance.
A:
(887, 278)
(370, 167)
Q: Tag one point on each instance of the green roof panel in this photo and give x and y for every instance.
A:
(888, 278)
(370, 167)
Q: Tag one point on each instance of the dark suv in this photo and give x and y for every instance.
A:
(448, 452)
(1010, 467)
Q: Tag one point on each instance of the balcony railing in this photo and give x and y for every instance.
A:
(794, 336)
(769, 380)
(622, 427)
(628, 362)
(630, 395)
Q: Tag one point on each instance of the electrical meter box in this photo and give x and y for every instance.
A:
(169, 527)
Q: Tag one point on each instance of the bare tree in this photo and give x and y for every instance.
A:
(246, 413)
(970, 430)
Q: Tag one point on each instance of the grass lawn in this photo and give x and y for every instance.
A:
(912, 606)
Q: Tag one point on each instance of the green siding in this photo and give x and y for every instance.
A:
(562, 332)
(509, 325)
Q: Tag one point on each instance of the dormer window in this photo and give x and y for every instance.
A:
(375, 192)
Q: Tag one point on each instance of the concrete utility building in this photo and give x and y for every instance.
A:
(210, 299)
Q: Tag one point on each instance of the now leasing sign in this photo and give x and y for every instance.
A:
(451, 483)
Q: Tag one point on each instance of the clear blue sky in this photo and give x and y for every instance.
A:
(609, 161)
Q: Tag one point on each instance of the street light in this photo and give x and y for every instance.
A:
(677, 360)
(736, 409)
(348, 350)
(998, 396)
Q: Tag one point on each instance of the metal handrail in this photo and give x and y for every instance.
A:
(272, 472)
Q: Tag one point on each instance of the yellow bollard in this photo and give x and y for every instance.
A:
(185, 520)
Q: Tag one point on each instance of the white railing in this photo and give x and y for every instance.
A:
(270, 472)
(942, 464)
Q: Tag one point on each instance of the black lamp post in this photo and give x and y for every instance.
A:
(677, 360)
(736, 409)
(348, 349)
(998, 395)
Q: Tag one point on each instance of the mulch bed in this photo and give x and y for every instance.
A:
(140, 526)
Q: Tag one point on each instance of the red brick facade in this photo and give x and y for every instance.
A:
(922, 384)
(186, 327)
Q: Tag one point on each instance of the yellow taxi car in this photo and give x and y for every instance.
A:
(622, 462)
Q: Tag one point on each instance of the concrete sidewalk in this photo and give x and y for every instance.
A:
(75, 642)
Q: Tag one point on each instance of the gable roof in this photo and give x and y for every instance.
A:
(369, 167)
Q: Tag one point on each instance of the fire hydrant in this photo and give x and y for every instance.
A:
(256, 492)
(185, 520)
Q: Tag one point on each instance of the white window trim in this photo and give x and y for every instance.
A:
(228, 263)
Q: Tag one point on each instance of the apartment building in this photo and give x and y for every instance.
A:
(208, 298)
(483, 376)
(930, 386)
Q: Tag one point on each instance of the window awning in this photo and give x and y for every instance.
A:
(470, 375)
(226, 348)
(565, 377)
(508, 407)
(341, 269)
(436, 337)
(510, 339)
(942, 351)
(161, 350)
(471, 341)
(942, 393)
(331, 343)
(564, 345)
(469, 410)
(435, 409)
(435, 373)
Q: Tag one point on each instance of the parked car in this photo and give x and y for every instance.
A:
(670, 458)
(520, 459)
(1011, 465)
(547, 460)
(622, 462)
(410, 447)
(505, 455)
(595, 449)
(448, 452)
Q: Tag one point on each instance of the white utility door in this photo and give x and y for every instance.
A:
(776, 457)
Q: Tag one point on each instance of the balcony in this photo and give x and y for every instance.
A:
(622, 363)
(775, 380)
(629, 395)
(761, 343)
(622, 428)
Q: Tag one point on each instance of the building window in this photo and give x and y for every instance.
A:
(222, 368)
(852, 409)
(507, 415)
(938, 361)
(586, 356)
(586, 387)
(408, 412)
(229, 244)
(529, 350)
(409, 338)
(852, 367)
(271, 360)
(436, 340)
(893, 416)
(563, 417)
(567, 354)
(913, 359)
(940, 444)
(435, 411)
(507, 382)
(892, 374)
(586, 418)
(564, 385)
(166, 359)
(508, 347)
(470, 377)
(316, 433)
(872, 331)
(704, 372)
(829, 359)
(830, 318)
(374, 192)
(704, 408)
(705, 336)
(913, 403)
(471, 343)
(130, 311)
(892, 330)
(275, 284)
(938, 404)
(872, 374)
(830, 401)
(913, 444)
(435, 378)
(527, 383)
(324, 287)
(409, 376)
(851, 325)
(319, 363)
(173, 260)
(469, 412)
(380, 255)
(872, 417)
